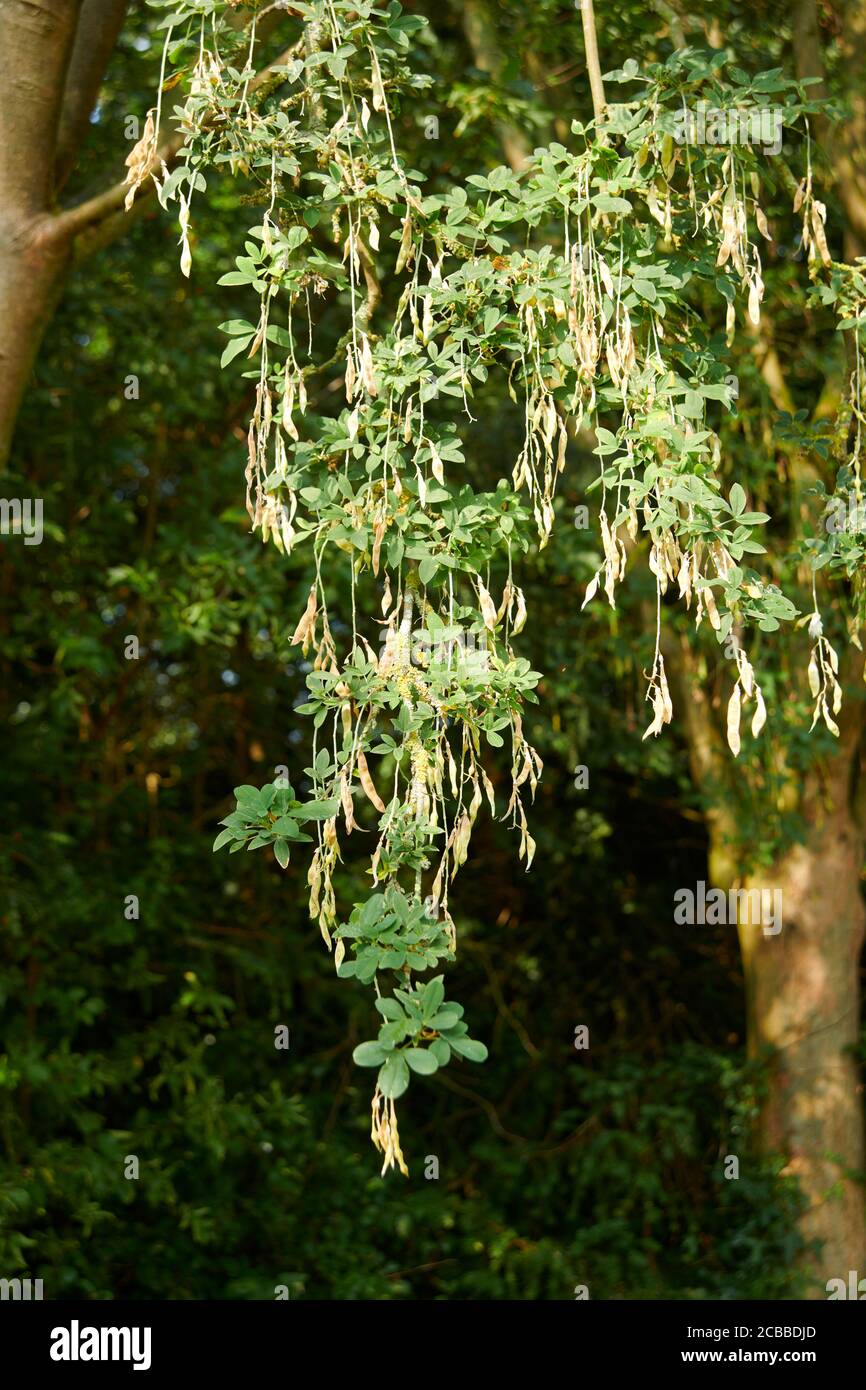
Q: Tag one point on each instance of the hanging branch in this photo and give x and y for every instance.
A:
(579, 331)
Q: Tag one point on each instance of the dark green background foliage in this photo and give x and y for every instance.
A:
(155, 1037)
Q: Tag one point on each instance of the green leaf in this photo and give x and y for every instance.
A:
(286, 826)
(236, 326)
(432, 996)
(389, 1008)
(315, 810)
(606, 202)
(421, 1060)
(246, 793)
(392, 1033)
(235, 277)
(369, 1054)
(281, 853)
(394, 1077)
(470, 1049)
(233, 349)
(446, 1019)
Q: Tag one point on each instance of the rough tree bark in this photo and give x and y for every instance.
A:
(802, 1001)
(802, 983)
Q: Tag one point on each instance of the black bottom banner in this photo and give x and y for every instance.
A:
(83, 1339)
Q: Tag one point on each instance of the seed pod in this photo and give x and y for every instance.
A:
(436, 464)
(730, 324)
(379, 101)
(563, 445)
(759, 718)
(488, 607)
(368, 375)
(350, 373)
(712, 610)
(756, 291)
(346, 802)
(139, 160)
(591, 590)
(186, 253)
(367, 782)
(761, 220)
(460, 837)
(378, 535)
(819, 213)
(452, 771)
(520, 617)
(734, 721)
(306, 627)
(405, 245)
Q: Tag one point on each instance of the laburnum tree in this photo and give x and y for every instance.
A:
(615, 280)
(607, 276)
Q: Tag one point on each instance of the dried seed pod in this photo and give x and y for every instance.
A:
(488, 607)
(307, 626)
(367, 782)
(759, 718)
(733, 721)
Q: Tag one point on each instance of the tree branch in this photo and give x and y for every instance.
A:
(88, 215)
(593, 66)
(98, 29)
(36, 38)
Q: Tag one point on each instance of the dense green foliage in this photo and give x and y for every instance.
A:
(579, 284)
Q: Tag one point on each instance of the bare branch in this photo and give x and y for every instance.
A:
(98, 28)
(593, 67)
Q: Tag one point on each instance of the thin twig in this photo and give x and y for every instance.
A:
(70, 223)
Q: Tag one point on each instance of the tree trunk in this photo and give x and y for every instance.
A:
(36, 41)
(802, 1004)
(802, 981)
(32, 274)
